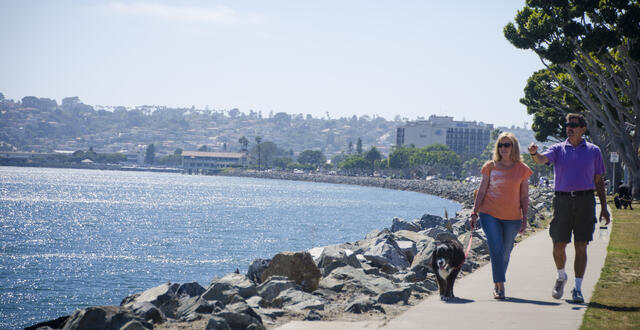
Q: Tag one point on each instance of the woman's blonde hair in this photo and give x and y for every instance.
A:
(515, 148)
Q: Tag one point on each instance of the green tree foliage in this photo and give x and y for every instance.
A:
(266, 152)
(548, 103)
(244, 142)
(169, 160)
(39, 103)
(355, 165)
(472, 167)
(150, 154)
(281, 162)
(258, 139)
(399, 159)
(359, 146)
(339, 158)
(400, 156)
(435, 159)
(372, 156)
(312, 157)
(597, 45)
(538, 170)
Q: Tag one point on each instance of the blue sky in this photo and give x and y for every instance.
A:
(383, 58)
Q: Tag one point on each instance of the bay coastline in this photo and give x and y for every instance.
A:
(408, 284)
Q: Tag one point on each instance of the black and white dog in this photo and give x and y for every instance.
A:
(446, 261)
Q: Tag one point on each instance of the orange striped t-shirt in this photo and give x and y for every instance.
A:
(502, 199)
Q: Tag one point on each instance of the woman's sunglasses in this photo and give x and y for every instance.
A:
(572, 125)
(506, 145)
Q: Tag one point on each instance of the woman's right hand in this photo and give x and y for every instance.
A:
(474, 221)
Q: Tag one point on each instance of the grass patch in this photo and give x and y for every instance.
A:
(615, 303)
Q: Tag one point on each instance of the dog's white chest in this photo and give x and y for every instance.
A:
(444, 273)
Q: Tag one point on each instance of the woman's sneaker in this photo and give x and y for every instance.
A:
(558, 289)
(577, 296)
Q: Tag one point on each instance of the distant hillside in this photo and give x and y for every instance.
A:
(42, 125)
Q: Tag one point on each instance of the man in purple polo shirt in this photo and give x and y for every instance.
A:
(579, 169)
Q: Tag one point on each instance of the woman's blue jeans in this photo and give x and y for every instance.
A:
(500, 237)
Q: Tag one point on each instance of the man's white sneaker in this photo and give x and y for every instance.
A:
(558, 288)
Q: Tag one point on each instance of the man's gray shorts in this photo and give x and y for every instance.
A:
(573, 214)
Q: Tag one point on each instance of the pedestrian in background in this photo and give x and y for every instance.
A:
(579, 169)
(501, 204)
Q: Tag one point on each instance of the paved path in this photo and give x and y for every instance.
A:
(529, 304)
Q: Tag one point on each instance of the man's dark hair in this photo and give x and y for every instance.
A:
(577, 116)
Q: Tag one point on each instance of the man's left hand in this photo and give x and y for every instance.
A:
(604, 213)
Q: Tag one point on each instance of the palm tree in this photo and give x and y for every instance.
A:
(243, 142)
(258, 140)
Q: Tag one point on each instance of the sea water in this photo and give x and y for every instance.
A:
(72, 238)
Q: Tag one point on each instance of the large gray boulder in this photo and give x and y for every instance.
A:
(429, 221)
(102, 317)
(297, 266)
(297, 300)
(134, 325)
(192, 289)
(164, 297)
(148, 312)
(419, 238)
(423, 258)
(385, 254)
(362, 304)
(356, 281)
(271, 288)
(256, 268)
(217, 323)
(398, 295)
(246, 287)
(241, 316)
(402, 224)
(408, 248)
(190, 308)
(336, 256)
(220, 291)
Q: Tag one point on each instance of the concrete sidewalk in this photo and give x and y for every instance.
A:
(529, 305)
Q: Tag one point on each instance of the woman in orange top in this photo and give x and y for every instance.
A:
(501, 203)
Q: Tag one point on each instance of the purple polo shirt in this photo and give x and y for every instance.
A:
(575, 168)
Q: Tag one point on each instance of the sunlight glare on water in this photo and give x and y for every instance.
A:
(76, 238)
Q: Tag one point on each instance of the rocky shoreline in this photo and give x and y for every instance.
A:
(461, 192)
(377, 277)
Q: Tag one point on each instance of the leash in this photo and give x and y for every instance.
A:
(468, 249)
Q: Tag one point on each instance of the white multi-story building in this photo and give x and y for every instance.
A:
(463, 137)
(203, 162)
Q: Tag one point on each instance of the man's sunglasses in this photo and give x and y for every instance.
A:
(506, 145)
(572, 125)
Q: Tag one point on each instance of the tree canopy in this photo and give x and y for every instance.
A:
(312, 157)
(150, 154)
(591, 50)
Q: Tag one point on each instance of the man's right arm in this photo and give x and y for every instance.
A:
(538, 158)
